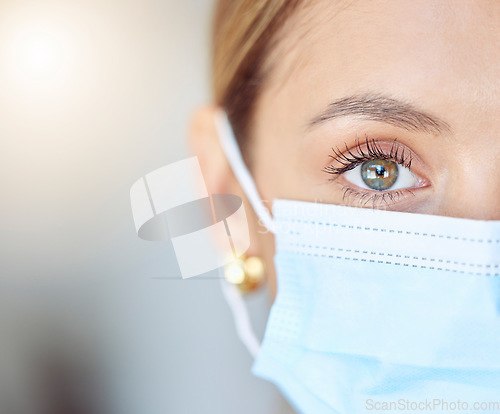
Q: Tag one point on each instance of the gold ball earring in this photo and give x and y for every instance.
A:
(247, 273)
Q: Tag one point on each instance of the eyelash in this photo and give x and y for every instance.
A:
(373, 151)
(377, 199)
(362, 152)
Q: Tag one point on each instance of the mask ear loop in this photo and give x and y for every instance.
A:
(241, 317)
(231, 293)
(233, 155)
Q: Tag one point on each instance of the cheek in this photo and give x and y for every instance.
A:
(281, 166)
(286, 164)
(285, 172)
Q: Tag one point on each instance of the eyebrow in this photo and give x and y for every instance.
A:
(381, 108)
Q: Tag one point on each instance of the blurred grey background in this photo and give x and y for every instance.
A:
(95, 94)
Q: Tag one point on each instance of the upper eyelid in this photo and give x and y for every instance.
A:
(398, 153)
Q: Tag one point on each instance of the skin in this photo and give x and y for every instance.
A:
(440, 57)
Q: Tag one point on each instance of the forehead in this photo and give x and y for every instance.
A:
(436, 53)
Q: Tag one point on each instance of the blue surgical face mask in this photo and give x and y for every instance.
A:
(379, 311)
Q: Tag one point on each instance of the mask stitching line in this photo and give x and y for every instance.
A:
(340, 249)
(350, 227)
(397, 263)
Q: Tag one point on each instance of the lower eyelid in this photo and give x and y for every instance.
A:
(375, 198)
(398, 200)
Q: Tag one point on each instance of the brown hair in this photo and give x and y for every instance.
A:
(242, 37)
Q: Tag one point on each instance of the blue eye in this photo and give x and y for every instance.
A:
(381, 175)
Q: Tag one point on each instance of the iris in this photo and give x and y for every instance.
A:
(379, 174)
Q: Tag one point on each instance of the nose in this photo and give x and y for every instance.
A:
(471, 189)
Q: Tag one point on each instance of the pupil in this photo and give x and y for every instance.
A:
(380, 170)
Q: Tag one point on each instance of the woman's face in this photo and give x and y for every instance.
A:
(413, 84)
(416, 82)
